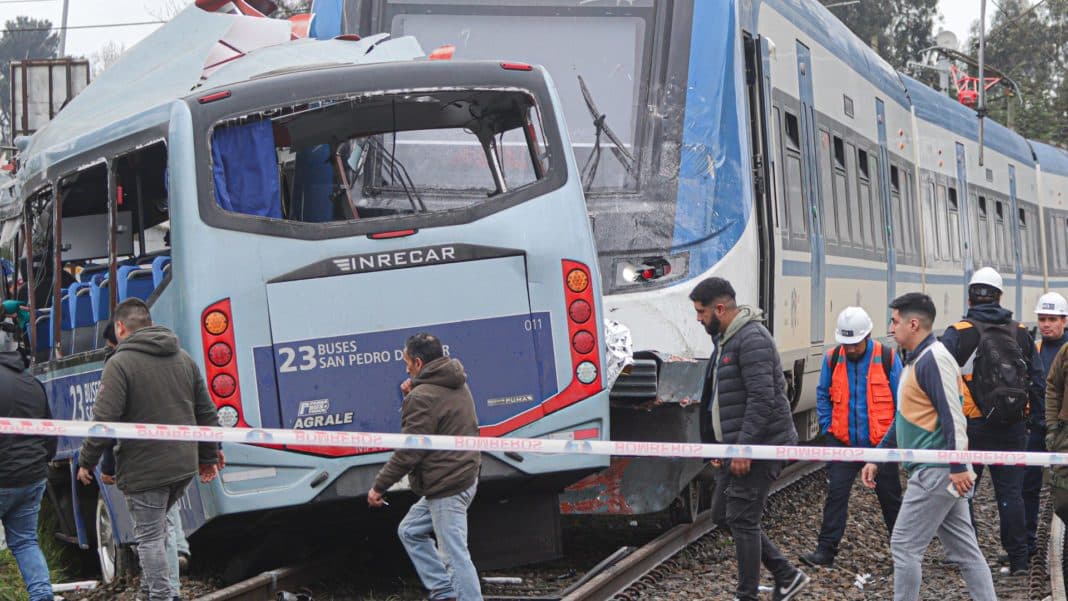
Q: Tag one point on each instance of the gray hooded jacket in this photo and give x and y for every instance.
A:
(151, 380)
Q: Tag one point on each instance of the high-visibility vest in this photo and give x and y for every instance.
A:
(880, 398)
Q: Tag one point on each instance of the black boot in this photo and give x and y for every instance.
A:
(819, 557)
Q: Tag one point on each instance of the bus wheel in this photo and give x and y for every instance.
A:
(116, 561)
(685, 508)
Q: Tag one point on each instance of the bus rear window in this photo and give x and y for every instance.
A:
(379, 156)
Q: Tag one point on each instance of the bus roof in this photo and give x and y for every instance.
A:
(135, 94)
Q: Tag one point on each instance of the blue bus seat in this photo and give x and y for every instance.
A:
(66, 324)
(43, 325)
(161, 266)
(98, 296)
(89, 272)
(133, 281)
(81, 310)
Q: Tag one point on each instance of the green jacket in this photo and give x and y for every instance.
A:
(151, 380)
(439, 403)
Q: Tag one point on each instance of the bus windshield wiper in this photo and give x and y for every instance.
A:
(600, 124)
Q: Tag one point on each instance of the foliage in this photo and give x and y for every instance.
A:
(23, 38)
(288, 8)
(898, 30)
(1027, 41)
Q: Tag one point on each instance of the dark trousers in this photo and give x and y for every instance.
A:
(836, 508)
(1008, 483)
(738, 505)
(1032, 487)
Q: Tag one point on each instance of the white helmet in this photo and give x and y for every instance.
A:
(987, 276)
(854, 325)
(1051, 303)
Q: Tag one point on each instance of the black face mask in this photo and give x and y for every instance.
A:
(713, 326)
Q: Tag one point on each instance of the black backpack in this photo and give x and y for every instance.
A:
(999, 374)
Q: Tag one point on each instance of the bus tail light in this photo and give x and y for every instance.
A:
(582, 329)
(220, 364)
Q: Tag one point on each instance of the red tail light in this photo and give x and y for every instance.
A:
(582, 329)
(220, 365)
(516, 67)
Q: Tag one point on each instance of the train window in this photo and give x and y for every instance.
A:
(841, 207)
(999, 233)
(895, 179)
(897, 224)
(830, 228)
(862, 163)
(954, 224)
(793, 132)
(857, 192)
(778, 137)
(930, 232)
(941, 223)
(794, 198)
(839, 153)
(847, 106)
(878, 229)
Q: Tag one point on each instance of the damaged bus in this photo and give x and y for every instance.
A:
(295, 210)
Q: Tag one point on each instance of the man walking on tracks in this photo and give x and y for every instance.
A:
(151, 380)
(1052, 313)
(855, 401)
(929, 417)
(1002, 377)
(437, 401)
(25, 464)
(744, 397)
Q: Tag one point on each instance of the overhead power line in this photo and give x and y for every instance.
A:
(69, 27)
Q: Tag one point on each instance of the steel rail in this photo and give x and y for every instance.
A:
(616, 578)
(1056, 559)
(262, 587)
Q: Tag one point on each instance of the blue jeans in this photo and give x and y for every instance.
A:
(1008, 483)
(446, 570)
(1032, 487)
(18, 511)
(149, 513)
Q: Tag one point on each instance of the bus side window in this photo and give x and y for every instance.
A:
(83, 240)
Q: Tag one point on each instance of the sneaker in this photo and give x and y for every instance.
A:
(819, 557)
(789, 591)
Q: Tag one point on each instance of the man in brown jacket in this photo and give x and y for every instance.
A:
(437, 401)
(1056, 432)
(151, 380)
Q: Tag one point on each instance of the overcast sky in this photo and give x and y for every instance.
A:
(959, 14)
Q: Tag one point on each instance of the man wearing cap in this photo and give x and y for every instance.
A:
(1052, 313)
(856, 401)
(988, 432)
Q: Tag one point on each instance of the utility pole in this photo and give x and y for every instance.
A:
(63, 30)
(981, 108)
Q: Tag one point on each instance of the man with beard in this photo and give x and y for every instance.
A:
(855, 400)
(744, 403)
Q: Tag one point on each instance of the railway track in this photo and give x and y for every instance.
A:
(609, 578)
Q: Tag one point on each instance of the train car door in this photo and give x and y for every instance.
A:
(1016, 254)
(758, 90)
(884, 194)
(811, 187)
(965, 215)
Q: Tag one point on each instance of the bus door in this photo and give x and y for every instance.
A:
(810, 177)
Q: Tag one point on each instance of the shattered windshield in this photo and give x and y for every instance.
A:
(603, 47)
(380, 155)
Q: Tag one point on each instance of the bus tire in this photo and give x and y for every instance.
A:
(116, 560)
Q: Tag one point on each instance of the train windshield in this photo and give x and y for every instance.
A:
(600, 43)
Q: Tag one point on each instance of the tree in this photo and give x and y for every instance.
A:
(23, 38)
(104, 57)
(1026, 42)
(898, 30)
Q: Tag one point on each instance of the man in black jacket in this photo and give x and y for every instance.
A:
(24, 465)
(744, 403)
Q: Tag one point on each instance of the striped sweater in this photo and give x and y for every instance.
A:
(929, 403)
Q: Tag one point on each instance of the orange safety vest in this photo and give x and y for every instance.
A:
(880, 398)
